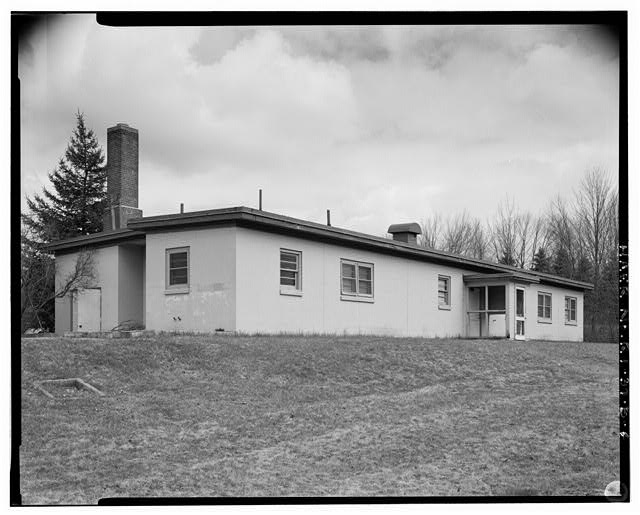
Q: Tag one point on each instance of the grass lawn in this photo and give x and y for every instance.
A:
(317, 416)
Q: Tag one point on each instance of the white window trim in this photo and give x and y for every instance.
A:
(447, 279)
(542, 319)
(177, 288)
(357, 296)
(575, 299)
(294, 291)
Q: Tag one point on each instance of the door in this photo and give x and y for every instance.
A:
(520, 311)
(86, 310)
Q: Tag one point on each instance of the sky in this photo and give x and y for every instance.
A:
(382, 124)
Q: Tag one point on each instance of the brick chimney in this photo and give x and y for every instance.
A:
(406, 233)
(122, 177)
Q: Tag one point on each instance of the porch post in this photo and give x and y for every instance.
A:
(486, 308)
(506, 309)
(465, 297)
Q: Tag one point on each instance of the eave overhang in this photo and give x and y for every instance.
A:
(521, 277)
(100, 239)
(275, 223)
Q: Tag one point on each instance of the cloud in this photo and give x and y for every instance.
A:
(344, 44)
(213, 43)
(378, 124)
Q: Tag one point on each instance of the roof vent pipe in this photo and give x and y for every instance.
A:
(406, 233)
(260, 199)
(329, 217)
(181, 208)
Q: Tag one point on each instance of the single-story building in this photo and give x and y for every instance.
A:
(248, 270)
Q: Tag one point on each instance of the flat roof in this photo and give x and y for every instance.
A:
(99, 239)
(508, 276)
(272, 222)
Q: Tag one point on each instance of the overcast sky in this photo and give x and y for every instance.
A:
(379, 124)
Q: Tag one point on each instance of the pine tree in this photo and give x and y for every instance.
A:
(541, 262)
(507, 258)
(584, 270)
(610, 295)
(75, 205)
(562, 264)
(36, 281)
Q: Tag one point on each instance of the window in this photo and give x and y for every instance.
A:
(544, 306)
(290, 271)
(444, 295)
(177, 269)
(570, 310)
(356, 279)
(497, 298)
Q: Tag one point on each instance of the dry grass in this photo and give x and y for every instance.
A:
(318, 416)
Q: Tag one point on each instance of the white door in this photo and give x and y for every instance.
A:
(520, 311)
(87, 310)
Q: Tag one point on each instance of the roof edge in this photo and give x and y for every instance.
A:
(249, 217)
(98, 238)
(517, 276)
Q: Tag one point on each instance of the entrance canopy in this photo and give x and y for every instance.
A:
(488, 303)
(521, 277)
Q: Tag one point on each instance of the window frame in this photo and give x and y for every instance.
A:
(287, 289)
(567, 319)
(447, 280)
(544, 319)
(357, 295)
(182, 287)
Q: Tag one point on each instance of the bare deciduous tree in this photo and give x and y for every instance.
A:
(457, 234)
(460, 234)
(564, 235)
(539, 237)
(431, 229)
(523, 224)
(478, 241)
(592, 205)
(614, 219)
(595, 206)
(38, 286)
(517, 236)
(504, 233)
(577, 239)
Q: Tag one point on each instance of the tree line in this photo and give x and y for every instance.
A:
(576, 237)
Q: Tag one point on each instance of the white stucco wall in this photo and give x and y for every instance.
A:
(210, 302)
(557, 330)
(405, 291)
(131, 264)
(234, 285)
(106, 278)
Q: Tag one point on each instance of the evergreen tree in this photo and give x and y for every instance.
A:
(507, 258)
(37, 270)
(583, 271)
(75, 205)
(562, 263)
(541, 262)
(610, 295)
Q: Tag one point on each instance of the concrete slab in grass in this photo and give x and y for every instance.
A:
(48, 386)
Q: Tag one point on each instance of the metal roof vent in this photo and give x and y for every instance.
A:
(406, 233)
